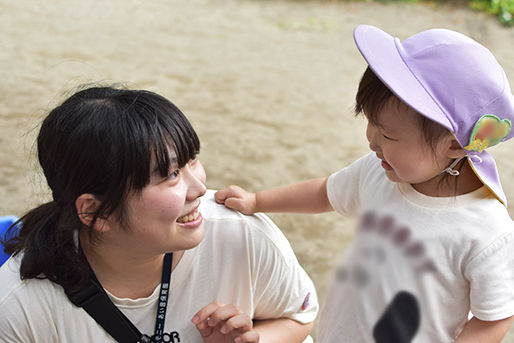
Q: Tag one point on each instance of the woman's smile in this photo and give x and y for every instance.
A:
(191, 220)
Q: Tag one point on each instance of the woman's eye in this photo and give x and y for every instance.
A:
(193, 160)
(174, 174)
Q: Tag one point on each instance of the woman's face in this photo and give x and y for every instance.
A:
(165, 217)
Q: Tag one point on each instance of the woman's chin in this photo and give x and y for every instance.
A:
(191, 237)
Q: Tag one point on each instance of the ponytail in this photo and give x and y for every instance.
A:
(46, 238)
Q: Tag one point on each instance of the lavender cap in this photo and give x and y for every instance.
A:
(452, 80)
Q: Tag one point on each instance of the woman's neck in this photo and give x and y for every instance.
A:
(445, 185)
(123, 274)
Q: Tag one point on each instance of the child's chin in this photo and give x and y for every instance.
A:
(391, 175)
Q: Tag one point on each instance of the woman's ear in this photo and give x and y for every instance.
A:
(87, 205)
(455, 150)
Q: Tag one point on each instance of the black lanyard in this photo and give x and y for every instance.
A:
(96, 302)
(162, 303)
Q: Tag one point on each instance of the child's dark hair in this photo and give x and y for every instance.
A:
(373, 94)
(103, 141)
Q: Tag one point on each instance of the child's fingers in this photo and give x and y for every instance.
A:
(231, 191)
(248, 337)
(221, 195)
(228, 192)
(236, 204)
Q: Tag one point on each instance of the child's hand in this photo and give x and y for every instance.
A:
(219, 323)
(238, 199)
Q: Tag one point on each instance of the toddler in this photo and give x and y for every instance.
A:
(433, 256)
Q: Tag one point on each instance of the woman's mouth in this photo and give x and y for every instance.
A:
(191, 219)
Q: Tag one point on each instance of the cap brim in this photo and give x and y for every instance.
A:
(380, 50)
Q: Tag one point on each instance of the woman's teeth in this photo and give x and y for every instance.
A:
(189, 218)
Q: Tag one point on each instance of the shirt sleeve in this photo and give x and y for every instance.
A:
(282, 287)
(343, 187)
(491, 276)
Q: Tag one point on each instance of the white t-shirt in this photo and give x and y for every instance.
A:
(242, 260)
(418, 264)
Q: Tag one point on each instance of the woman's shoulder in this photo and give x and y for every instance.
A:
(213, 213)
(35, 309)
(258, 228)
(27, 301)
(23, 290)
(12, 284)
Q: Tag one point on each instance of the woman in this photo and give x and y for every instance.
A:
(129, 207)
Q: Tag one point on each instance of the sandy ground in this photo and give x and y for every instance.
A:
(269, 87)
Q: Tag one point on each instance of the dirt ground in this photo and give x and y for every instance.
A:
(268, 85)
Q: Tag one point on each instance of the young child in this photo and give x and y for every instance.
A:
(435, 241)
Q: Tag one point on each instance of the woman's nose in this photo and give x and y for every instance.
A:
(195, 178)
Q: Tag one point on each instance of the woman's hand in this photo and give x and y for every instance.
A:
(220, 323)
(238, 199)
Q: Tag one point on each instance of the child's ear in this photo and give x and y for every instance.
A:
(455, 150)
(87, 205)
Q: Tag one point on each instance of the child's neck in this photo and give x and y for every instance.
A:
(444, 185)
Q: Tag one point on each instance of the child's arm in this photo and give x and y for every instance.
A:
(479, 331)
(305, 197)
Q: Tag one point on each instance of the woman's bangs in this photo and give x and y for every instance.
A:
(174, 132)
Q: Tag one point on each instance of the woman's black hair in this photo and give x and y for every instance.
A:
(103, 141)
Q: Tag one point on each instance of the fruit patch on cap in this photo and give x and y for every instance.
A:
(489, 130)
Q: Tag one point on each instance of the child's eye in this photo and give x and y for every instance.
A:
(389, 138)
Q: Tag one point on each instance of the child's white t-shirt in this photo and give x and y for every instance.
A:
(418, 264)
(242, 260)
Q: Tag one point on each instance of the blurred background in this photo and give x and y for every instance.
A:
(268, 85)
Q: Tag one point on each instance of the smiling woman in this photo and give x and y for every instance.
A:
(130, 206)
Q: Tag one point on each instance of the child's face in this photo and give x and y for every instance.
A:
(399, 142)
